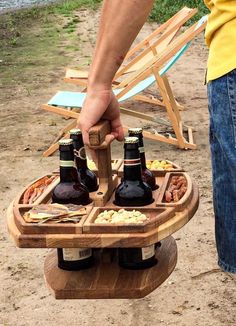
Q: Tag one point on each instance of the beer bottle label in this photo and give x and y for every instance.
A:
(148, 252)
(73, 254)
(67, 164)
(80, 153)
(132, 162)
(141, 149)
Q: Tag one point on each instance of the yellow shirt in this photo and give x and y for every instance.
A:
(221, 37)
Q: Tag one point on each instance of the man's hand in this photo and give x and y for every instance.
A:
(101, 104)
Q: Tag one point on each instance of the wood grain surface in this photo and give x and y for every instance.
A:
(104, 240)
(106, 280)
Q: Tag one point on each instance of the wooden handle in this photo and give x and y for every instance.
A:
(98, 133)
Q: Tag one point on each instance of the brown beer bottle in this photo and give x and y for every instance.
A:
(88, 177)
(71, 191)
(147, 175)
(132, 191)
(137, 258)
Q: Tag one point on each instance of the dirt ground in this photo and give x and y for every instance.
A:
(197, 292)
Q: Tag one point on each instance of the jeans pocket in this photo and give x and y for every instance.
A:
(231, 81)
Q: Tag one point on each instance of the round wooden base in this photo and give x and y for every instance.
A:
(106, 280)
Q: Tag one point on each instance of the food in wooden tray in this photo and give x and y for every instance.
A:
(92, 166)
(54, 213)
(36, 189)
(121, 216)
(176, 189)
(159, 165)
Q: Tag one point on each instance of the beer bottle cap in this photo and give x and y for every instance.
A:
(65, 142)
(75, 132)
(135, 130)
(131, 140)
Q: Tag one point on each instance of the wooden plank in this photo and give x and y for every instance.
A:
(98, 133)
(156, 217)
(183, 202)
(163, 57)
(184, 12)
(144, 116)
(61, 111)
(104, 240)
(171, 109)
(54, 147)
(106, 280)
(157, 47)
(64, 130)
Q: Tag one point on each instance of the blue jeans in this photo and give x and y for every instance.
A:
(222, 109)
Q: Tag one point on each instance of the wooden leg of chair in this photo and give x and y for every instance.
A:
(171, 97)
(171, 108)
(190, 135)
(54, 147)
(68, 127)
(146, 99)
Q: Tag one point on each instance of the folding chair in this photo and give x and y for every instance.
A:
(152, 72)
(144, 51)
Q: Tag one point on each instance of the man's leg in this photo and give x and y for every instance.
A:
(222, 108)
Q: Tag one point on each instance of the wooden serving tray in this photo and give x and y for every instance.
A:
(46, 228)
(45, 197)
(156, 217)
(111, 240)
(106, 280)
(159, 212)
(156, 172)
(183, 202)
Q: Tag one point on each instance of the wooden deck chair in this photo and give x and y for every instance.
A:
(153, 72)
(144, 51)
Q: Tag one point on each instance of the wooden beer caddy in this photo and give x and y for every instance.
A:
(106, 279)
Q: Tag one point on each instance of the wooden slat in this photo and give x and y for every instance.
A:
(104, 240)
(106, 280)
(61, 111)
(98, 133)
(157, 47)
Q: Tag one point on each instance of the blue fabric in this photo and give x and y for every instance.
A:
(222, 109)
(69, 99)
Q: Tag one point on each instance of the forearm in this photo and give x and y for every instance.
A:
(121, 20)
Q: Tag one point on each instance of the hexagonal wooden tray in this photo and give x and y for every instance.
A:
(87, 233)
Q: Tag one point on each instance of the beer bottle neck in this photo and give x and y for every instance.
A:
(79, 152)
(142, 152)
(68, 172)
(132, 164)
(141, 148)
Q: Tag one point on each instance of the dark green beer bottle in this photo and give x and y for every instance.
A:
(71, 191)
(88, 177)
(147, 175)
(132, 191)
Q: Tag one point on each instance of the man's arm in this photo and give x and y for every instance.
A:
(120, 23)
